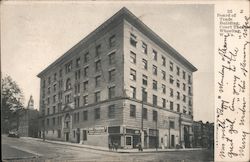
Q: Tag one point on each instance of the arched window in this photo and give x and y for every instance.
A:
(68, 84)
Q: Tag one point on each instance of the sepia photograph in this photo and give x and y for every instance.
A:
(107, 81)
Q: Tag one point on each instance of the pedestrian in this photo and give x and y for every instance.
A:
(110, 146)
(116, 146)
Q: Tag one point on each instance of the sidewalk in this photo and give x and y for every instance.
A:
(99, 148)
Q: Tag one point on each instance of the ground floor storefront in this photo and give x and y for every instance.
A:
(122, 137)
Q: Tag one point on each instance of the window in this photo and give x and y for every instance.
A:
(132, 57)
(112, 75)
(189, 90)
(97, 81)
(77, 88)
(145, 64)
(98, 50)
(184, 86)
(111, 92)
(171, 105)
(132, 74)
(112, 58)
(144, 48)
(163, 86)
(128, 140)
(133, 40)
(98, 65)
(55, 76)
(145, 113)
(68, 67)
(178, 83)
(144, 80)
(163, 102)
(178, 107)
(59, 105)
(85, 115)
(171, 66)
(85, 85)
(189, 79)
(132, 110)
(154, 100)
(97, 96)
(49, 80)
(48, 101)
(67, 98)
(171, 79)
(190, 102)
(163, 61)
(48, 90)
(111, 111)
(48, 112)
(133, 91)
(77, 101)
(171, 92)
(154, 70)
(163, 75)
(155, 55)
(85, 100)
(171, 124)
(154, 84)
(78, 62)
(54, 87)
(86, 57)
(177, 70)
(112, 41)
(60, 73)
(68, 84)
(44, 83)
(86, 71)
(184, 98)
(77, 117)
(184, 75)
(178, 95)
(77, 75)
(97, 113)
(155, 115)
(144, 95)
(54, 98)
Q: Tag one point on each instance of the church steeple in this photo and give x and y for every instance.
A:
(31, 103)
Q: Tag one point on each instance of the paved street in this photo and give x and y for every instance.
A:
(32, 149)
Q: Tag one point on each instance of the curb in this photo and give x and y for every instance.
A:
(146, 151)
(121, 151)
(20, 158)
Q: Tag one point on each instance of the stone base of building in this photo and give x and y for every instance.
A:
(121, 137)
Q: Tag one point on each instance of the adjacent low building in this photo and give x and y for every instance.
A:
(122, 84)
(28, 121)
(203, 134)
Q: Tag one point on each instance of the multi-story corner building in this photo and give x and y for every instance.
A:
(121, 84)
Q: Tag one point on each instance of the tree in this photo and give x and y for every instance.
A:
(12, 102)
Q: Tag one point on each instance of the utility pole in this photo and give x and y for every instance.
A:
(169, 132)
(180, 129)
(43, 125)
(142, 132)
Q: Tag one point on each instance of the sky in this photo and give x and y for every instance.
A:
(33, 35)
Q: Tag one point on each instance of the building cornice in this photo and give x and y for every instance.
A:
(122, 14)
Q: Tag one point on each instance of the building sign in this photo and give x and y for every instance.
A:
(97, 131)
